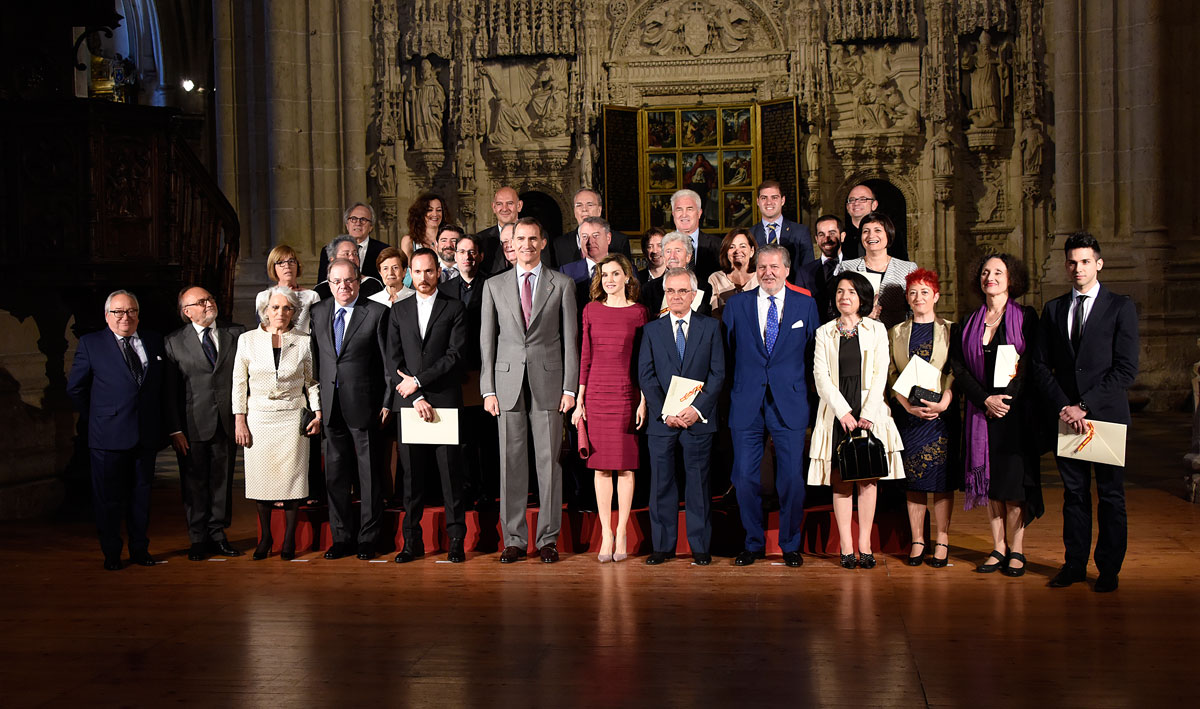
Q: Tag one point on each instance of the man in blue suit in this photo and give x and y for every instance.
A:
(688, 345)
(769, 331)
(773, 228)
(116, 383)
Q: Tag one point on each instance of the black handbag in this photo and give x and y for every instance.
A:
(923, 397)
(860, 456)
(307, 417)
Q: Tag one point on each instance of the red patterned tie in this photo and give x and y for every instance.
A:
(527, 298)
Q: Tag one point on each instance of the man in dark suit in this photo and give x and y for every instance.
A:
(817, 275)
(568, 247)
(595, 236)
(116, 383)
(344, 248)
(426, 337)
(677, 253)
(859, 203)
(349, 338)
(360, 220)
(199, 414)
(769, 332)
(686, 211)
(506, 205)
(683, 344)
(774, 228)
(1085, 359)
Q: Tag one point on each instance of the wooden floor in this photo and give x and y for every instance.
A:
(321, 633)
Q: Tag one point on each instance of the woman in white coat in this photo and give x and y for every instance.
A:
(850, 370)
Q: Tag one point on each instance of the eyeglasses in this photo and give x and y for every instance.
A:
(335, 282)
(682, 291)
(859, 200)
(358, 220)
(203, 302)
(127, 313)
(287, 262)
(466, 252)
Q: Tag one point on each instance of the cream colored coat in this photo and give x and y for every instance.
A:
(873, 342)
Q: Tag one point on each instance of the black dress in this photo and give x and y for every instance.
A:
(849, 381)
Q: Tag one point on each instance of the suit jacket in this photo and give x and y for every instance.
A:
(565, 249)
(784, 371)
(435, 359)
(472, 300)
(703, 360)
(120, 414)
(547, 354)
(794, 237)
(577, 270)
(1104, 366)
(368, 268)
(653, 292)
(491, 256)
(357, 374)
(258, 385)
(367, 287)
(707, 259)
(812, 277)
(199, 396)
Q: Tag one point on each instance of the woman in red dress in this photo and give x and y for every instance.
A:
(615, 409)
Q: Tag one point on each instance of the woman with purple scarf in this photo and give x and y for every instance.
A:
(1000, 452)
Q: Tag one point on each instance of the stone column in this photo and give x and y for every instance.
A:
(354, 45)
(1067, 117)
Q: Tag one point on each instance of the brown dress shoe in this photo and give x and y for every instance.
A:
(549, 553)
(511, 554)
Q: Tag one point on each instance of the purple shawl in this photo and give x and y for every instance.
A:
(978, 469)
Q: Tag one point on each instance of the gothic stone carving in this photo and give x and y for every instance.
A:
(528, 104)
(875, 89)
(428, 28)
(987, 72)
(524, 27)
(855, 20)
(696, 27)
(427, 107)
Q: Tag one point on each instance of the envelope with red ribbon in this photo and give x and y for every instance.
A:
(1100, 442)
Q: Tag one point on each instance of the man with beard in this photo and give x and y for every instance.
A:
(817, 275)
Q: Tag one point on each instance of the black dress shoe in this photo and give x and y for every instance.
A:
(197, 552)
(659, 557)
(939, 563)
(366, 551)
(456, 555)
(549, 553)
(986, 568)
(1105, 583)
(866, 561)
(918, 558)
(142, 558)
(221, 547)
(793, 559)
(512, 554)
(849, 562)
(701, 558)
(112, 564)
(1066, 576)
(287, 554)
(1015, 571)
(409, 553)
(337, 550)
(746, 557)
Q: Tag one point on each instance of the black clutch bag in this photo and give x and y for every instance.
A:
(923, 397)
(306, 417)
(860, 456)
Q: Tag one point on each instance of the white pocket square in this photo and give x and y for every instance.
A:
(158, 357)
(798, 323)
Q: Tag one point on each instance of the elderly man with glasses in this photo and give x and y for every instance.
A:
(360, 221)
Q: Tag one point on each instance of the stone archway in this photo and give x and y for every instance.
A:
(545, 209)
(892, 203)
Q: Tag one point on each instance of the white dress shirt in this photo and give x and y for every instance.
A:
(764, 305)
(424, 311)
(1087, 305)
(200, 335)
(687, 330)
(136, 342)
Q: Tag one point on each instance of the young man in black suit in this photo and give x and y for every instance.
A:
(773, 227)
(1085, 359)
(427, 335)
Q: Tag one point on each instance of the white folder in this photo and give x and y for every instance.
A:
(920, 373)
(1101, 442)
(442, 430)
(1007, 362)
(876, 281)
(680, 395)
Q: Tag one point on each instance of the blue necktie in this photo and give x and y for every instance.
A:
(680, 342)
(771, 236)
(339, 330)
(772, 332)
(210, 349)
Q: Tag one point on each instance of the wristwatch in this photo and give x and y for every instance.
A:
(1083, 405)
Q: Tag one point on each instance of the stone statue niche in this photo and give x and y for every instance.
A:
(426, 101)
(527, 104)
(987, 81)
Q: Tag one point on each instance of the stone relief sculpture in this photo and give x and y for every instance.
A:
(696, 27)
(1032, 144)
(427, 107)
(871, 84)
(529, 103)
(383, 170)
(873, 19)
(987, 71)
(548, 104)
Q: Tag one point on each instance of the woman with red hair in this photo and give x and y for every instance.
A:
(926, 424)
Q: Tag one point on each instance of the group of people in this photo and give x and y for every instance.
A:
(753, 333)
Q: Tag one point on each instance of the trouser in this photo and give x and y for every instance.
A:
(515, 426)
(664, 490)
(206, 483)
(350, 457)
(748, 446)
(121, 482)
(1077, 513)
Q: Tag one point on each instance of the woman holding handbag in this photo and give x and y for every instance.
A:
(850, 369)
(927, 420)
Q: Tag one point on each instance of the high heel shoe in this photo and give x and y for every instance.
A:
(866, 561)
(916, 560)
(1018, 571)
(986, 568)
(621, 555)
(263, 550)
(287, 554)
(939, 563)
(849, 562)
(605, 541)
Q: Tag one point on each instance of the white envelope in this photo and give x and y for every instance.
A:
(920, 373)
(680, 395)
(1007, 361)
(1102, 442)
(696, 301)
(876, 281)
(443, 430)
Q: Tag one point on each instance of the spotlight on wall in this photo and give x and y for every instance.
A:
(188, 85)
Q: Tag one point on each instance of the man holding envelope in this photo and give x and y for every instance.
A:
(681, 367)
(1086, 358)
(426, 338)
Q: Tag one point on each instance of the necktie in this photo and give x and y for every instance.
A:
(447, 274)
(680, 342)
(829, 267)
(772, 332)
(339, 330)
(527, 298)
(209, 347)
(771, 233)
(1077, 320)
(132, 361)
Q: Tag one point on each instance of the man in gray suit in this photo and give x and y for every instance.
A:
(530, 373)
(199, 414)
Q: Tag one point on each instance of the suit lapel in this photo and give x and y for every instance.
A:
(360, 308)
(541, 294)
(439, 305)
(1063, 309)
(193, 347)
(1100, 306)
(691, 344)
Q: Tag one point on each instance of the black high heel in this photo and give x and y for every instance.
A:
(940, 563)
(916, 560)
(1020, 570)
(866, 561)
(986, 568)
(849, 562)
(263, 550)
(288, 554)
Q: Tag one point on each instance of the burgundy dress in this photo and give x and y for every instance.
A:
(606, 367)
